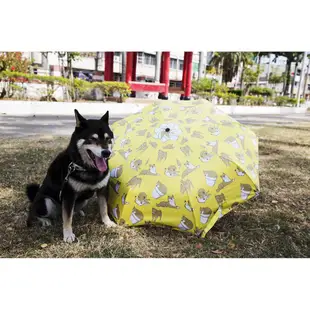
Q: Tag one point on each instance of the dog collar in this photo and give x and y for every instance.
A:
(72, 167)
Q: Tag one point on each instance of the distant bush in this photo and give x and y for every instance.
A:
(237, 92)
(76, 87)
(251, 100)
(205, 95)
(287, 101)
(263, 91)
(221, 88)
(202, 85)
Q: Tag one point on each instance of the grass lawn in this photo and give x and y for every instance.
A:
(277, 224)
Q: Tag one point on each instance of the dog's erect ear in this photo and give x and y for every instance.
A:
(105, 117)
(79, 119)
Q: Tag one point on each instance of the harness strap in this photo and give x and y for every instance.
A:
(71, 168)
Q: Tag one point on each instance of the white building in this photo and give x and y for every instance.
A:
(93, 63)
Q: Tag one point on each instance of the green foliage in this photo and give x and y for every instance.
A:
(221, 88)
(287, 101)
(250, 76)
(228, 63)
(263, 91)
(76, 88)
(74, 55)
(13, 61)
(251, 100)
(222, 95)
(237, 92)
(109, 87)
(205, 95)
(276, 79)
(202, 85)
(232, 96)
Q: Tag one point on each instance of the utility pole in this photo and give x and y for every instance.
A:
(306, 80)
(301, 77)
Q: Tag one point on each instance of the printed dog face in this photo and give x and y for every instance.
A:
(94, 141)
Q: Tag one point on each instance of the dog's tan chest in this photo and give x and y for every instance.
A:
(81, 186)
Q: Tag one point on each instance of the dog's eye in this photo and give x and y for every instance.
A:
(93, 139)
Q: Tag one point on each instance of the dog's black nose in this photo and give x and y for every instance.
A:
(105, 153)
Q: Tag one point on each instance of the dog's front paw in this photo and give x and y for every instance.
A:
(69, 236)
(45, 221)
(82, 213)
(108, 223)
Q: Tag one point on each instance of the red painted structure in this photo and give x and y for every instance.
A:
(188, 76)
(163, 87)
(108, 66)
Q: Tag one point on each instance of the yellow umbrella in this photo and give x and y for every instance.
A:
(181, 164)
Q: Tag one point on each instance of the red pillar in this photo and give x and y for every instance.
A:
(134, 70)
(166, 69)
(129, 66)
(134, 66)
(162, 68)
(161, 78)
(188, 77)
(108, 66)
(184, 70)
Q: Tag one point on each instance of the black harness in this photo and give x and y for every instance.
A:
(71, 168)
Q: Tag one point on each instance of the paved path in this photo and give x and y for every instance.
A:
(17, 126)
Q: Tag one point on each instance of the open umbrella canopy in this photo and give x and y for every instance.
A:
(181, 164)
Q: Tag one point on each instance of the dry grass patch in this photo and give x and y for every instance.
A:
(274, 225)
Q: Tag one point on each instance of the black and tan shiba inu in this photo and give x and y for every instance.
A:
(74, 176)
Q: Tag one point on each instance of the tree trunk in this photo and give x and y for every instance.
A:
(221, 65)
(258, 69)
(69, 63)
(293, 80)
(288, 76)
(242, 74)
(269, 68)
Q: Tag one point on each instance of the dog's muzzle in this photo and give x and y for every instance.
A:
(106, 154)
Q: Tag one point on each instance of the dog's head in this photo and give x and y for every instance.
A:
(94, 141)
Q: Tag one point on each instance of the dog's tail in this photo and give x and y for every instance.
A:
(32, 190)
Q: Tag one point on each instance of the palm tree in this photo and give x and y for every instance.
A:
(229, 62)
(246, 59)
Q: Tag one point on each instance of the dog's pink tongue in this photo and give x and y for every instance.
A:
(101, 164)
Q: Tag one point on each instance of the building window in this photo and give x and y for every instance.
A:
(88, 54)
(117, 54)
(149, 59)
(140, 58)
(173, 63)
(195, 67)
(181, 65)
(178, 84)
